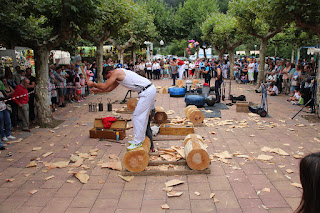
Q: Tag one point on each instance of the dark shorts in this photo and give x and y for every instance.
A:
(61, 92)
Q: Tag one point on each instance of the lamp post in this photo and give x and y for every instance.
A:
(255, 47)
(161, 44)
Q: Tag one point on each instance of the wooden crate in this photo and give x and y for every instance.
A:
(176, 129)
(98, 131)
(242, 106)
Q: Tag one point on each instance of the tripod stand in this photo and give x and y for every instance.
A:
(311, 99)
(125, 98)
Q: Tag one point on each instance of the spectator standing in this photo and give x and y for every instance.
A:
(4, 122)
(174, 70)
(20, 97)
(60, 84)
(12, 107)
(149, 69)
(196, 65)
(30, 88)
(251, 67)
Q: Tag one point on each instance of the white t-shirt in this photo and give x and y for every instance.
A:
(275, 90)
(297, 96)
(148, 66)
(251, 67)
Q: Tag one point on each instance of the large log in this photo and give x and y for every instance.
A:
(195, 115)
(180, 83)
(132, 103)
(188, 108)
(196, 154)
(192, 137)
(160, 116)
(137, 160)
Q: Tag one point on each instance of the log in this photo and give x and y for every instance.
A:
(188, 108)
(132, 103)
(137, 160)
(192, 137)
(195, 115)
(180, 83)
(163, 90)
(194, 82)
(196, 154)
(160, 116)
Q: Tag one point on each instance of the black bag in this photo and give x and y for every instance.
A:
(239, 98)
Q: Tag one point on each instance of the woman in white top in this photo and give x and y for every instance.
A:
(251, 67)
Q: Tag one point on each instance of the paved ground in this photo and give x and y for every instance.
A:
(238, 185)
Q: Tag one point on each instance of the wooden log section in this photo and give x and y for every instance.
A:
(192, 137)
(195, 115)
(196, 154)
(188, 108)
(195, 81)
(160, 116)
(132, 103)
(163, 90)
(137, 160)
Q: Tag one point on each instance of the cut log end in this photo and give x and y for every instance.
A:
(160, 117)
(132, 103)
(195, 116)
(138, 159)
(188, 108)
(198, 159)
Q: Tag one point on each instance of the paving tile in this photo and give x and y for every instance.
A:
(273, 199)
(134, 186)
(286, 190)
(57, 205)
(153, 191)
(202, 188)
(152, 206)
(68, 190)
(127, 211)
(197, 178)
(244, 190)
(28, 209)
(85, 198)
(293, 202)
(130, 200)
(280, 210)
(227, 200)
(219, 183)
(182, 202)
(104, 205)
(111, 190)
(203, 206)
(41, 198)
(78, 210)
(251, 205)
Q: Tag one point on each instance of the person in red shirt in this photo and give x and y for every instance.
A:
(21, 98)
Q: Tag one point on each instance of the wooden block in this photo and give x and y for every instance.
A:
(176, 129)
(242, 106)
(167, 173)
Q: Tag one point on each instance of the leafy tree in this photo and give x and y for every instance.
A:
(42, 25)
(134, 33)
(226, 36)
(223, 5)
(178, 47)
(164, 20)
(259, 19)
(190, 17)
(112, 16)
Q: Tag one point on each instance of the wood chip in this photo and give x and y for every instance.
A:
(27, 175)
(32, 164)
(50, 177)
(263, 157)
(84, 155)
(47, 154)
(116, 165)
(83, 178)
(15, 141)
(101, 181)
(165, 206)
(61, 164)
(174, 194)
(223, 155)
(32, 192)
(212, 195)
(126, 178)
(10, 180)
(113, 156)
(289, 171)
(290, 129)
(266, 190)
(167, 189)
(173, 182)
(212, 132)
(51, 131)
(297, 156)
(70, 181)
(36, 148)
(197, 193)
(216, 200)
(298, 185)
(78, 161)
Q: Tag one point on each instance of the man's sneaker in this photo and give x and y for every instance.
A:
(134, 146)
(11, 137)
(5, 139)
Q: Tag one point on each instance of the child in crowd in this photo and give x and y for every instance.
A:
(299, 100)
(310, 181)
(243, 78)
(78, 88)
(296, 96)
(83, 86)
(273, 89)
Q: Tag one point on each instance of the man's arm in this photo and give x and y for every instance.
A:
(106, 86)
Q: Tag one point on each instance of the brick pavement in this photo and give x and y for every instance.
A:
(238, 186)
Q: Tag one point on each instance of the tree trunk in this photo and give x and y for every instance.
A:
(204, 53)
(292, 54)
(134, 55)
(298, 55)
(263, 50)
(99, 62)
(220, 54)
(42, 104)
(231, 59)
(198, 51)
(247, 50)
(317, 101)
(275, 50)
(120, 55)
